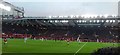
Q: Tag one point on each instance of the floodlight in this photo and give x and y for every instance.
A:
(102, 20)
(107, 21)
(51, 21)
(77, 21)
(80, 21)
(60, 20)
(113, 21)
(64, 21)
(83, 21)
(56, 21)
(44, 21)
(94, 21)
(98, 21)
(90, 20)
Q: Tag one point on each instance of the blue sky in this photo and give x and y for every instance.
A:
(66, 7)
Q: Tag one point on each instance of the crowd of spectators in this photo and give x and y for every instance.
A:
(107, 51)
(86, 34)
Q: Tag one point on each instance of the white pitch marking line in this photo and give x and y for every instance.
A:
(80, 48)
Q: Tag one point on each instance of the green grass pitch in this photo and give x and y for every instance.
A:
(51, 46)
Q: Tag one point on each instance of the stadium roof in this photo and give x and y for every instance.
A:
(64, 22)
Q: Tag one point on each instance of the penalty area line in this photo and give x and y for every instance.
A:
(80, 48)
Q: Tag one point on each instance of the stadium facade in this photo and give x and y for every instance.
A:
(9, 11)
(119, 8)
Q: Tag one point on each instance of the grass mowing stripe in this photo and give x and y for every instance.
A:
(80, 48)
(51, 46)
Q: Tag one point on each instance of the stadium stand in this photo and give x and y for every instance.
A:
(87, 33)
(107, 51)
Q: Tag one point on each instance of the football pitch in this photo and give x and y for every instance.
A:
(51, 46)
